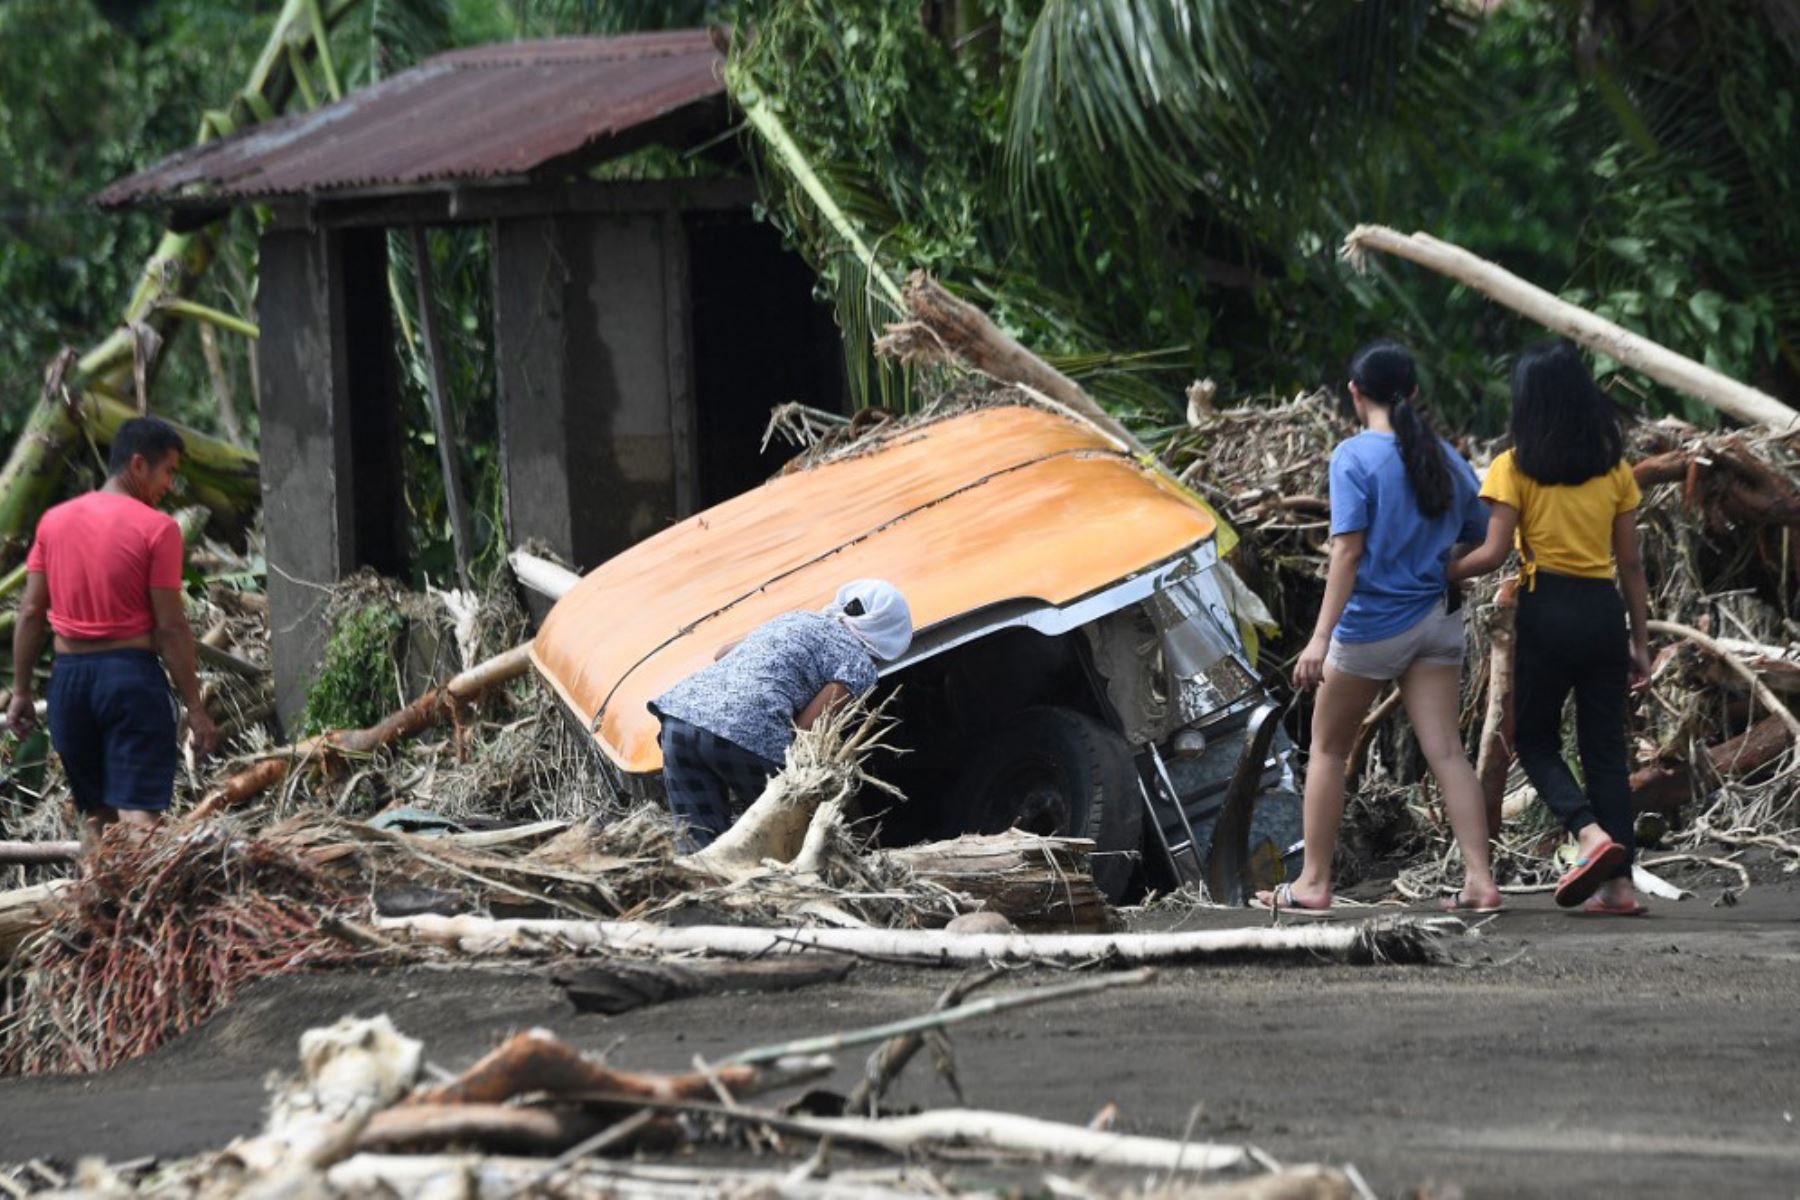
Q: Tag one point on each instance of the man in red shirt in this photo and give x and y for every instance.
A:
(104, 574)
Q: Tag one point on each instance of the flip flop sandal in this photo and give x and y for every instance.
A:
(1588, 874)
(1456, 904)
(1283, 901)
(1602, 908)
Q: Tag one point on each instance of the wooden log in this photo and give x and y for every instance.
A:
(1665, 787)
(542, 576)
(1748, 490)
(1704, 384)
(1035, 882)
(1768, 698)
(24, 911)
(1399, 939)
(416, 1176)
(21, 853)
(491, 1128)
(621, 985)
(1495, 753)
(430, 707)
(970, 335)
(964, 1128)
(538, 1062)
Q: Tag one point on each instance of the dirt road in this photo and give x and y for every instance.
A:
(1575, 1056)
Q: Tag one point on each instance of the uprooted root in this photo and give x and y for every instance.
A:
(159, 932)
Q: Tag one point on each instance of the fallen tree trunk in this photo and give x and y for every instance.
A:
(431, 707)
(620, 985)
(537, 1062)
(1034, 882)
(1665, 787)
(1365, 941)
(22, 853)
(1494, 757)
(1769, 699)
(26, 910)
(492, 1128)
(435, 1175)
(822, 773)
(970, 1128)
(1704, 384)
(966, 332)
(542, 576)
(1747, 490)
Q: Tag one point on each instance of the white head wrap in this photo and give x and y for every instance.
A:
(885, 624)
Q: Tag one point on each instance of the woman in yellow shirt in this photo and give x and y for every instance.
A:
(1565, 495)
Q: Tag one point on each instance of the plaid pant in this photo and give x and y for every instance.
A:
(708, 780)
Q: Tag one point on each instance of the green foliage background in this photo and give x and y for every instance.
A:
(1146, 191)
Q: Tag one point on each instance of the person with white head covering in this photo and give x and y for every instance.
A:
(727, 727)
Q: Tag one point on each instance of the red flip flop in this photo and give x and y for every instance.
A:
(1588, 874)
(1605, 908)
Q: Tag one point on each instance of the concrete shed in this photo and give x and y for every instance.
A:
(644, 329)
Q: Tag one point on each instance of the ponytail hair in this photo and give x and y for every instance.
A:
(1386, 376)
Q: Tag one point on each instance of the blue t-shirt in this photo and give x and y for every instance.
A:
(1402, 570)
(752, 695)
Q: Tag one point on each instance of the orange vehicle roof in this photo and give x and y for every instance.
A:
(997, 504)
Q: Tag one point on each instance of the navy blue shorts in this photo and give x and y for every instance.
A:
(112, 721)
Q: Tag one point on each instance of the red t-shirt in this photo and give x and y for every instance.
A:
(101, 554)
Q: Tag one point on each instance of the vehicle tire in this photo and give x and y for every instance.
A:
(1055, 771)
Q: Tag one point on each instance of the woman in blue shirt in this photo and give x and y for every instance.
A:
(1401, 497)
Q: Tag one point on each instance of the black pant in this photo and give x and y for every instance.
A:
(708, 780)
(1573, 636)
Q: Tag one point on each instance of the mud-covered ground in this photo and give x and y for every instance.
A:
(1572, 1055)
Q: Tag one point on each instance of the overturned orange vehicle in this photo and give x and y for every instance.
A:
(1077, 666)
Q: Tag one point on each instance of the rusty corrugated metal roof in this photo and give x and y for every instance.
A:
(485, 113)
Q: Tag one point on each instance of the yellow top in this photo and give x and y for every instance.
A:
(1567, 527)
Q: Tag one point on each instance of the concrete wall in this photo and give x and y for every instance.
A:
(595, 399)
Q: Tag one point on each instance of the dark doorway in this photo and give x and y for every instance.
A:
(760, 340)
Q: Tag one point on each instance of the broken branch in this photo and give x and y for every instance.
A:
(1704, 384)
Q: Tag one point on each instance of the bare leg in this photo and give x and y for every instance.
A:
(1433, 693)
(1342, 703)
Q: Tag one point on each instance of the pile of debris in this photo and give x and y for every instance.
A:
(536, 1116)
(1714, 736)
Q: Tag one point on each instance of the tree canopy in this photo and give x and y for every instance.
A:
(1145, 191)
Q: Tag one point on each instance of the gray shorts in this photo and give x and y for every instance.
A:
(1436, 638)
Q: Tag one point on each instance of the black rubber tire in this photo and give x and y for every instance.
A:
(1055, 771)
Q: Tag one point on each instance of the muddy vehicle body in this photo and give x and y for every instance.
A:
(1078, 667)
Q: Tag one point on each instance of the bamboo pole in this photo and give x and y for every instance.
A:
(1694, 379)
(484, 935)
